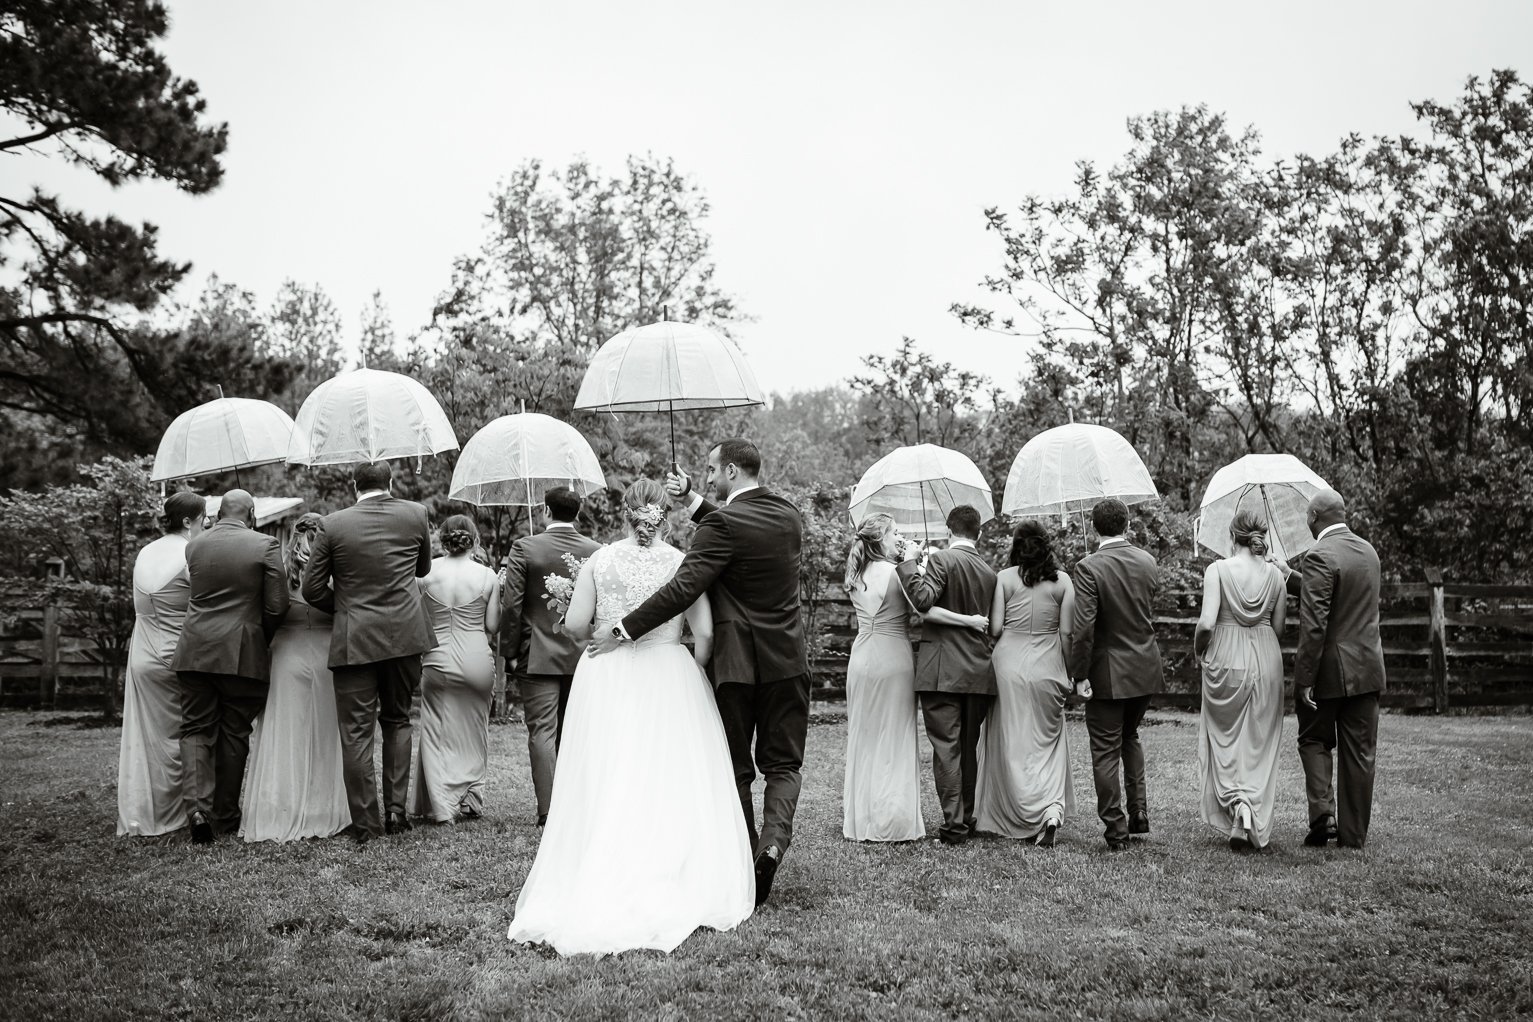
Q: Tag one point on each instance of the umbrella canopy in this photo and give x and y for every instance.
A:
(369, 415)
(918, 486)
(227, 433)
(668, 367)
(1276, 486)
(513, 460)
(1070, 468)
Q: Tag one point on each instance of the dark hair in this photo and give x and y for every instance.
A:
(640, 502)
(740, 453)
(1110, 517)
(180, 506)
(459, 535)
(302, 544)
(1249, 530)
(563, 503)
(372, 475)
(866, 546)
(1032, 554)
(963, 522)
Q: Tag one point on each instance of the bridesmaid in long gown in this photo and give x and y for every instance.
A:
(881, 799)
(149, 760)
(1244, 606)
(1026, 788)
(294, 787)
(457, 680)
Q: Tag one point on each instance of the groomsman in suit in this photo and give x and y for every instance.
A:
(363, 568)
(1338, 673)
(531, 642)
(954, 678)
(238, 598)
(745, 556)
(1114, 650)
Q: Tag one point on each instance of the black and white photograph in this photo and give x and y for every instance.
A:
(693, 510)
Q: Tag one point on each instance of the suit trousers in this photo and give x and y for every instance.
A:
(217, 714)
(953, 721)
(368, 694)
(776, 716)
(1349, 725)
(1113, 725)
(544, 699)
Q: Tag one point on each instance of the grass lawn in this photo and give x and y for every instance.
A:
(1433, 920)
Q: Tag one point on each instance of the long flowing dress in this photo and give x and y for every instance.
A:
(645, 839)
(457, 687)
(881, 796)
(149, 759)
(1242, 720)
(294, 787)
(1024, 766)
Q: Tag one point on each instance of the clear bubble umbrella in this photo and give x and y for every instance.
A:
(515, 459)
(223, 434)
(1276, 486)
(367, 415)
(1070, 468)
(668, 367)
(918, 486)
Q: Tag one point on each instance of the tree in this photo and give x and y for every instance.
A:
(88, 86)
(912, 398)
(95, 528)
(304, 330)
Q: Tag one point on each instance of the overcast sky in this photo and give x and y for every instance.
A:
(848, 149)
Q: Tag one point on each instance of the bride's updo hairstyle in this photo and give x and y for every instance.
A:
(301, 546)
(459, 535)
(867, 547)
(1249, 530)
(644, 510)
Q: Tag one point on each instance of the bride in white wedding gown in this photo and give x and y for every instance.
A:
(645, 840)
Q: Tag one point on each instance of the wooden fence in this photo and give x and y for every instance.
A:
(1445, 645)
(42, 666)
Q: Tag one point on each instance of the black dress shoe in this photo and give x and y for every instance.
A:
(766, 869)
(1321, 831)
(396, 823)
(1046, 839)
(202, 828)
(1121, 845)
(542, 819)
(1139, 823)
(361, 835)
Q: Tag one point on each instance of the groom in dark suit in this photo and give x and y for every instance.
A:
(542, 656)
(745, 556)
(363, 568)
(1338, 673)
(238, 598)
(954, 679)
(1114, 649)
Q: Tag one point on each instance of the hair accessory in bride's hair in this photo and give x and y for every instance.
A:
(647, 514)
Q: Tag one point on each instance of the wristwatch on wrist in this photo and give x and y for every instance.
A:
(617, 632)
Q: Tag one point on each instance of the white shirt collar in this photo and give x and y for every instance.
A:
(1111, 541)
(551, 526)
(954, 544)
(744, 489)
(1330, 529)
(370, 494)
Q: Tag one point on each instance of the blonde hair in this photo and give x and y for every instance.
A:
(1249, 530)
(644, 510)
(866, 548)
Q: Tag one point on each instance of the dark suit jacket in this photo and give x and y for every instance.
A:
(745, 556)
(370, 554)
(238, 598)
(953, 659)
(1114, 644)
(1340, 653)
(527, 624)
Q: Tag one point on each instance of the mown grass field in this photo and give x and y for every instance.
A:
(1433, 920)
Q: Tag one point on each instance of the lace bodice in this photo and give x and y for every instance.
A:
(626, 575)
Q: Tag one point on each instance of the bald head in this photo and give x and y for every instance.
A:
(1326, 508)
(238, 505)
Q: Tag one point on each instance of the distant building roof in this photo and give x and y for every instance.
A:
(267, 509)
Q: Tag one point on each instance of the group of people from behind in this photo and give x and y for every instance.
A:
(1001, 656)
(256, 684)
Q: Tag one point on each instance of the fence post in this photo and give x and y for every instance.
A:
(1437, 641)
(48, 682)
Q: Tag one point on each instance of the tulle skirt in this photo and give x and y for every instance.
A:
(645, 840)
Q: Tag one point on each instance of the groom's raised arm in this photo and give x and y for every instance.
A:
(711, 551)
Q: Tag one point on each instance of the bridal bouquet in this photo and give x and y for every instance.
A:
(558, 589)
